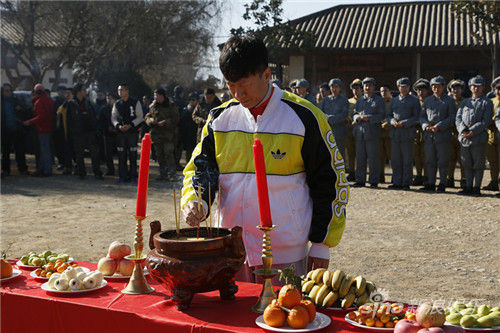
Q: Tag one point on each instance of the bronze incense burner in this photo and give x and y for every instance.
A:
(187, 265)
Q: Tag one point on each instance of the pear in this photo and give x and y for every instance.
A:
(454, 318)
(458, 305)
(467, 311)
(471, 305)
(483, 310)
(485, 321)
(468, 321)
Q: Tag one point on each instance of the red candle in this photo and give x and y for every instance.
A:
(262, 192)
(142, 184)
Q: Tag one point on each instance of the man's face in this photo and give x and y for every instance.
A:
(82, 93)
(476, 90)
(159, 98)
(193, 102)
(100, 96)
(68, 94)
(357, 91)
(209, 98)
(123, 92)
(7, 91)
(497, 91)
(369, 88)
(250, 90)
(61, 93)
(437, 89)
(302, 91)
(335, 89)
(404, 90)
(385, 93)
(456, 91)
(110, 100)
(325, 92)
(422, 92)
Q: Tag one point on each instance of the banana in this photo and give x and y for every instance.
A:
(364, 298)
(317, 274)
(337, 278)
(314, 292)
(327, 278)
(348, 300)
(322, 292)
(306, 287)
(309, 275)
(370, 287)
(360, 285)
(330, 299)
(352, 290)
(345, 285)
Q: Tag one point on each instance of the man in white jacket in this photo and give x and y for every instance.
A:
(308, 190)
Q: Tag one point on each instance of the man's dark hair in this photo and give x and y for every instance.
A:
(243, 56)
(385, 85)
(324, 86)
(193, 96)
(124, 85)
(77, 87)
(112, 95)
(178, 90)
(209, 91)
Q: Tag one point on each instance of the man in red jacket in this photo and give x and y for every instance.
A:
(43, 107)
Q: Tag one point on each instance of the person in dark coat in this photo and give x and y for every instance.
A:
(109, 133)
(200, 113)
(187, 127)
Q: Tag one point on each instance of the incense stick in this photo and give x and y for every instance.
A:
(199, 211)
(175, 211)
(218, 211)
(209, 231)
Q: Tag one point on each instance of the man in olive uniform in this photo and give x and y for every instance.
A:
(493, 146)
(336, 108)
(385, 140)
(350, 143)
(369, 112)
(455, 89)
(303, 91)
(403, 115)
(473, 117)
(422, 88)
(200, 113)
(437, 119)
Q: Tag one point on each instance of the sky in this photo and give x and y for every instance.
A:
(232, 17)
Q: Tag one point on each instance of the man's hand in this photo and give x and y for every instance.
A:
(124, 128)
(192, 215)
(161, 123)
(313, 263)
(434, 129)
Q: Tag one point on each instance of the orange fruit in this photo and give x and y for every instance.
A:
(389, 324)
(411, 316)
(298, 317)
(397, 310)
(385, 318)
(289, 296)
(5, 269)
(274, 316)
(378, 323)
(352, 315)
(311, 309)
(370, 322)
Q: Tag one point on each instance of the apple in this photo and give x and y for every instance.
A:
(126, 267)
(118, 250)
(407, 326)
(107, 266)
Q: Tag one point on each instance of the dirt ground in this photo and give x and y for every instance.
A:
(413, 245)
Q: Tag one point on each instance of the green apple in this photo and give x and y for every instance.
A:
(37, 261)
(468, 321)
(52, 259)
(32, 253)
(454, 318)
(46, 254)
(24, 260)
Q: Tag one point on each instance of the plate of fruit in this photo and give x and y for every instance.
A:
(290, 313)
(34, 260)
(46, 271)
(7, 272)
(336, 290)
(378, 316)
(474, 318)
(73, 281)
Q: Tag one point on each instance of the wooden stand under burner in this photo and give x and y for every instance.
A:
(187, 265)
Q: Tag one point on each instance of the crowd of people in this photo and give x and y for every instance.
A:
(429, 126)
(70, 126)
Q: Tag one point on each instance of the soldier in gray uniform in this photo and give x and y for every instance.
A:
(369, 112)
(437, 119)
(473, 117)
(303, 91)
(403, 115)
(336, 108)
(497, 123)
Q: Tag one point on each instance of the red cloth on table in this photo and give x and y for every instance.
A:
(25, 307)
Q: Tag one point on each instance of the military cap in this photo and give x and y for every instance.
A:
(369, 80)
(336, 81)
(404, 81)
(421, 83)
(293, 83)
(496, 82)
(456, 82)
(477, 80)
(303, 83)
(355, 82)
(438, 80)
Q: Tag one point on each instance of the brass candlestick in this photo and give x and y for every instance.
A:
(267, 272)
(137, 284)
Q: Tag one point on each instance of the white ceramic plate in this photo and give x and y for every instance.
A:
(32, 274)
(470, 329)
(354, 323)
(321, 321)
(121, 277)
(31, 268)
(15, 273)
(46, 287)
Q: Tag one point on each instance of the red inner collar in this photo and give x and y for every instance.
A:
(259, 109)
